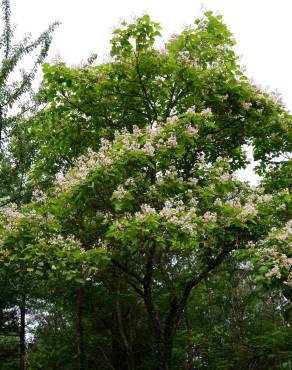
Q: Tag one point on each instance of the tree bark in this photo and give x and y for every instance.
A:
(164, 353)
(79, 328)
(22, 348)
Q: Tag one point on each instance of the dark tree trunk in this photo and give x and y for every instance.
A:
(118, 352)
(55, 364)
(122, 354)
(22, 334)
(80, 329)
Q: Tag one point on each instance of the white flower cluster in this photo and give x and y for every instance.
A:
(129, 141)
(130, 181)
(177, 213)
(209, 216)
(11, 211)
(246, 105)
(191, 110)
(276, 251)
(192, 181)
(137, 132)
(83, 166)
(280, 261)
(193, 131)
(120, 192)
(55, 240)
(275, 271)
(286, 232)
(258, 197)
(105, 145)
(171, 175)
(207, 111)
(265, 198)
(184, 56)
(170, 142)
(218, 202)
(153, 130)
(39, 196)
(276, 97)
(223, 98)
(234, 202)
(222, 174)
(64, 243)
(109, 152)
(146, 210)
(224, 177)
(13, 215)
(243, 205)
(172, 120)
(149, 148)
(247, 210)
(174, 212)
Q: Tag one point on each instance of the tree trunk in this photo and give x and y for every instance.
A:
(55, 363)
(79, 329)
(119, 361)
(122, 354)
(22, 334)
(164, 357)
(126, 344)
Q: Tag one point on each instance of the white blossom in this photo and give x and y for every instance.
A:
(210, 216)
(171, 141)
(207, 111)
(192, 181)
(11, 211)
(194, 201)
(191, 129)
(265, 198)
(172, 119)
(39, 196)
(246, 105)
(149, 148)
(233, 203)
(167, 210)
(105, 144)
(191, 110)
(137, 132)
(275, 271)
(225, 177)
(120, 192)
(218, 202)
(247, 210)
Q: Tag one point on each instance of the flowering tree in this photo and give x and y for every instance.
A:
(165, 216)
(169, 217)
(155, 201)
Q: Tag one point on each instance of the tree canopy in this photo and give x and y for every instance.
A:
(133, 220)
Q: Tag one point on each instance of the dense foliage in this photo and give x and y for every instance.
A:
(131, 243)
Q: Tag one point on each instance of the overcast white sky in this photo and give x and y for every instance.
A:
(262, 29)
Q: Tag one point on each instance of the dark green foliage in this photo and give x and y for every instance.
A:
(14, 160)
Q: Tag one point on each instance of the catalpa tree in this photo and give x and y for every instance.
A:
(165, 217)
(168, 215)
(155, 200)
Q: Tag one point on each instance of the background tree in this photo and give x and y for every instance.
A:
(13, 167)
